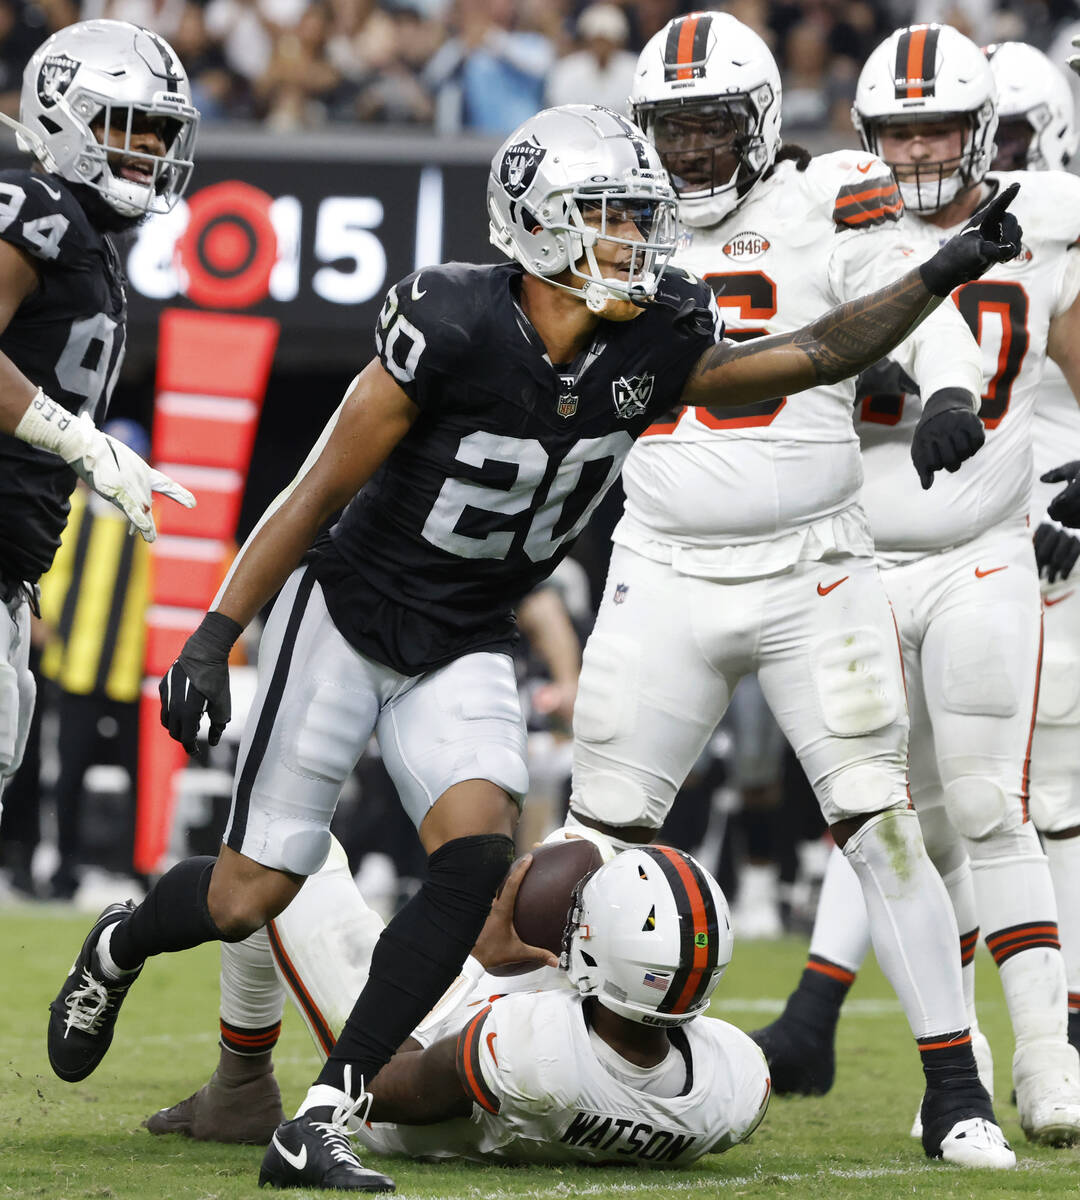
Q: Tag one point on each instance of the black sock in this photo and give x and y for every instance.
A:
(820, 995)
(948, 1061)
(174, 916)
(419, 954)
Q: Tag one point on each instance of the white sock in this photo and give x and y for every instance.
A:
(911, 921)
(961, 891)
(105, 960)
(251, 993)
(1063, 855)
(1018, 915)
(841, 929)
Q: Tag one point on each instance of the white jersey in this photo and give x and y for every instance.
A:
(1010, 310)
(543, 1094)
(1056, 430)
(753, 492)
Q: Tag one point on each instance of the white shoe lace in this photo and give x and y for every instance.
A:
(348, 1116)
(86, 1005)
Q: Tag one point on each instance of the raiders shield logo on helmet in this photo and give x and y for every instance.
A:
(55, 78)
(518, 167)
(632, 395)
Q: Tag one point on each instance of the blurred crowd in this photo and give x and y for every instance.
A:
(486, 65)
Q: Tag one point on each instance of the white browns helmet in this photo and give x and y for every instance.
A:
(930, 73)
(1036, 112)
(649, 935)
(707, 94)
(111, 72)
(563, 162)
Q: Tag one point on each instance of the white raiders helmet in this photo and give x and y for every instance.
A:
(707, 93)
(649, 935)
(562, 162)
(930, 73)
(109, 71)
(1036, 112)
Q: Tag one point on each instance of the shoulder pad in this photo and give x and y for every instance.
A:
(529, 1025)
(861, 188)
(40, 216)
(690, 298)
(1047, 205)
(431, 317)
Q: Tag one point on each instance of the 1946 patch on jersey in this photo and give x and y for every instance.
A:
(746, 246)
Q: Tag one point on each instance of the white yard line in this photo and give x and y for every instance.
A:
(711, 1183)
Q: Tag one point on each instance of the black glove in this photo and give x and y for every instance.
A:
(948, 433)
(198, 680)
(1056, 552)
(1065, 506)
(991, 236)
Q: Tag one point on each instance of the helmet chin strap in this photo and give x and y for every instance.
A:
(34, 143)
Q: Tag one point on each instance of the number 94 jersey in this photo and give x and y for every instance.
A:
(66, 337)
(500, 471)
(1009, 311)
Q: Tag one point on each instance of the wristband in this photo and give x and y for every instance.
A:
(217, 633)
(50, 426)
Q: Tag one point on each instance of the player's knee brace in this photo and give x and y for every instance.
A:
(979, 807)
(864, 787)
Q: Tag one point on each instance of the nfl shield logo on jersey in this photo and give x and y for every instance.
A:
(567, 403)
(57, 72)
(519, 166)
(632, 395)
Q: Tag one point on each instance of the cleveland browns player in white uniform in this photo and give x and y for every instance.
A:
(743, 547)
(958, 564)
(1036, 132)
(696, 1085)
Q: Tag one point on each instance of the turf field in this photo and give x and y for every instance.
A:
(84, 1142)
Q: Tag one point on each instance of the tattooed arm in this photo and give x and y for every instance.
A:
(855, 335)
(843, 342)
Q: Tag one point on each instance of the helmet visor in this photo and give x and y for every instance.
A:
(1013, 141)
(627, 238)
(150, 147)
(703, 144)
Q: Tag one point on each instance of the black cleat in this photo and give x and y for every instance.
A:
(316, 1150)
(801, 1057)
(83, 1015)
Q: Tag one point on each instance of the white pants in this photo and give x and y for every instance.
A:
(17, 686)
(665, 655)
(1055, 753)
(317, 705)
(970, 629)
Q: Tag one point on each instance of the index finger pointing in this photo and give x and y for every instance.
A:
(995, 210)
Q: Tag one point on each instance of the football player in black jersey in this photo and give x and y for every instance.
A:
(106, 110)
(468, 455)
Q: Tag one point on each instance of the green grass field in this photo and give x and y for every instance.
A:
(84, 1141)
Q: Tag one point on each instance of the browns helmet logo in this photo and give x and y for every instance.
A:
(518, 167)
(55, 77)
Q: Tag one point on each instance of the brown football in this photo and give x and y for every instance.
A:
(543, 900)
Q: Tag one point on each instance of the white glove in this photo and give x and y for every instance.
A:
(1074, 59)
(112, 469)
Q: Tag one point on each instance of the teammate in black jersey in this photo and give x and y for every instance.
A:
(106, 111)
(469, 454)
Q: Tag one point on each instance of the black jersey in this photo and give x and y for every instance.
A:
(500, 472)
(68, 338)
